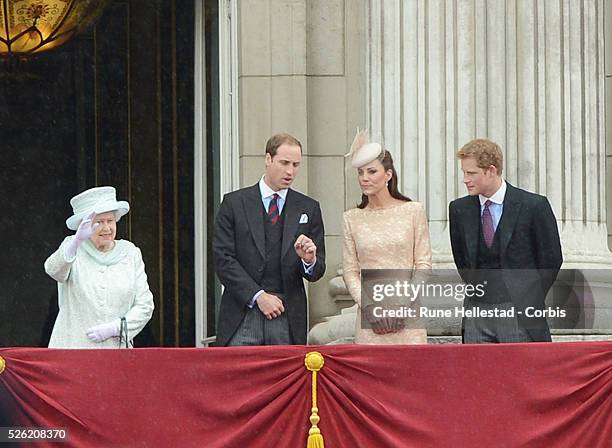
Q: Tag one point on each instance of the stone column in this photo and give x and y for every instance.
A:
(528, 74)
(271, 81)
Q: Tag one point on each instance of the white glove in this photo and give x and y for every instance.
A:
(85, 230)
(102, 332)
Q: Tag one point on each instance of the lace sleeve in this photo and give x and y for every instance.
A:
(350, 263)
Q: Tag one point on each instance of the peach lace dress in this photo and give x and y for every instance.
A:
(396, 237)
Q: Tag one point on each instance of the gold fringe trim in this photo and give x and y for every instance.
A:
(2, 364)
(314, 362)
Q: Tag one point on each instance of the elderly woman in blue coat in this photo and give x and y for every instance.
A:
(103, 295)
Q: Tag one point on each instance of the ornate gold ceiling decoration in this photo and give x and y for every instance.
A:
(32, 26)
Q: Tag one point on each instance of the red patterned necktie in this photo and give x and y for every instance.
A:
(488, 230)
(273, 209)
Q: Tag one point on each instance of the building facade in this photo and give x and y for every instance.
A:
(426, 77)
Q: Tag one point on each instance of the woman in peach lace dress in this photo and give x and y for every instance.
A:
(386, 231)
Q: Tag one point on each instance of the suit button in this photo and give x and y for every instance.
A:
(260, 269)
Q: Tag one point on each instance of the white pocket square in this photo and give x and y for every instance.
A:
(303, 218)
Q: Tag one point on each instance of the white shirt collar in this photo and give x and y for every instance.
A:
(497, 198)
(267, 192)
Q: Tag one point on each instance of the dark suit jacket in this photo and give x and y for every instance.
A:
(529, 245)
(239, 254)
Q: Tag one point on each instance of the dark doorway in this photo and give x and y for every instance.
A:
(112, 107)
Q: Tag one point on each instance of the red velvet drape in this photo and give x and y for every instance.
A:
(505, 395)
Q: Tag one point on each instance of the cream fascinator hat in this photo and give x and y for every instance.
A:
(97, 199)
(361, 151)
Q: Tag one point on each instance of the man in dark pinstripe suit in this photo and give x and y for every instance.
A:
(268, 238)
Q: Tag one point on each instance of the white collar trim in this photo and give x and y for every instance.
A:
(267, 192)
(498, 197)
